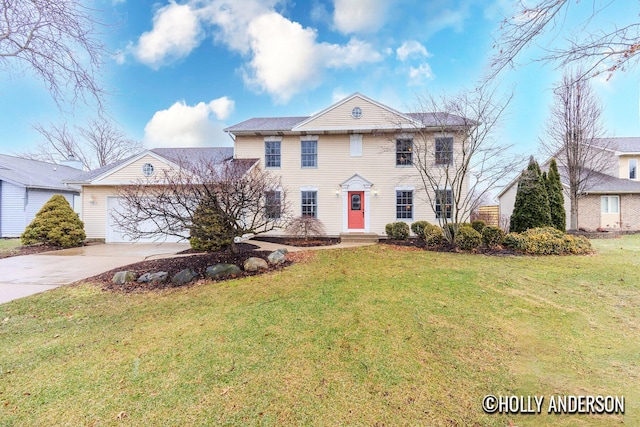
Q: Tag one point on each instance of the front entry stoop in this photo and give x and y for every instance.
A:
(359, 238)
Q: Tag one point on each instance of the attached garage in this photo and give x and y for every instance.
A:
(116, 235)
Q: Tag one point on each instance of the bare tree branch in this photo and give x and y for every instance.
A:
(574, 125)
(100, 143)
(57, 41)
(598, 50)
(166, 205)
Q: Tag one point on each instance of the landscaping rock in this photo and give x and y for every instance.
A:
(255, 264)
(122, 277)
(185, 276)
(276, 257)
(159, 277)
(222, 270)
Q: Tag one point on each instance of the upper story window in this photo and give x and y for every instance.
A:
(272, 154)
(147, 169)
(273, 204)
(633, 168)
(309, 151)
(404, 152)
(444, 150)
(444, 200)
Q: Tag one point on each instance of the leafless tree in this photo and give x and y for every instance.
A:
(306, 226)
(573, 135)
(600, 50)
(98, 144)
(457, 152)
(246, 198)
(57, 41)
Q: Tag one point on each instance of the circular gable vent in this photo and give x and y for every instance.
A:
(356, 113)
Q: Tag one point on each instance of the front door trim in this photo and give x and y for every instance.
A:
(356, 183)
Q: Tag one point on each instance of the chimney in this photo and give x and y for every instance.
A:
(72, 162)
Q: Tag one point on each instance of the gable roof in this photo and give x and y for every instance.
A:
(176, 156)
(294, 124)
(621, 145)
(36, 174)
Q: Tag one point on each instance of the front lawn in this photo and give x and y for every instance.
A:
(376, 335)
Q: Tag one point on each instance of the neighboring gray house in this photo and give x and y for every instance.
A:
(25, 185)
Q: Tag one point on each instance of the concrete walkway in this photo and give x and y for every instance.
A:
(25, 275)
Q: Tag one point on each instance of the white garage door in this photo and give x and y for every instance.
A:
(116, 235)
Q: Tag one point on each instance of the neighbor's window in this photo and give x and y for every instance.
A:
(147, 169)
(404, 152)
(444, 200)
(272, 154)
(444, 150)
(310, 203)
(633, 166)
(610, 204)
(309, 151)
(273, 204)
(404, 204)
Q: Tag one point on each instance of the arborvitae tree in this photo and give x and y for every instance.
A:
(556, 199)
(531, 208)
(55, 224)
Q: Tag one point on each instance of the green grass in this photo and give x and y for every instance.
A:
(9, 245)
(367, 336)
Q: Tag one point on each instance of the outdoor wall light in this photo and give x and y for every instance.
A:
(338, 193)
(92, 200)
(375, 193)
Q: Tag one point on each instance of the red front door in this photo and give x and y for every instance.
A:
(356, 210)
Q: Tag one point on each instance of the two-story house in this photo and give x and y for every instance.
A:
(351, 165)
(611, 199)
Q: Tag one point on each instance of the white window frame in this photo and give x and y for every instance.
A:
(277, 191)
(313, 139)
(435, 205)
(406, 188)
(606, 204)
(355, 142)
(633, 170)
(435, 149)
(266, 155)
(312, 190)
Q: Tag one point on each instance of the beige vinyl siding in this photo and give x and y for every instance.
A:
(335, 166)
(133, 171)
(94, 214)
(340, 117)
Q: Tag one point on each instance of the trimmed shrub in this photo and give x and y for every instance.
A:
(210, 231)
(397, 230)
(467, 238)
(433, 235)
(478, 225)
(548, 241)
(55, 224)
(492, 236)
(418, 228)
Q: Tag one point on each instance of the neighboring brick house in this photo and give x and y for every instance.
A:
(612, 200)
(350, 165)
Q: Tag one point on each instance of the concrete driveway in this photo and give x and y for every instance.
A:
(29, 274)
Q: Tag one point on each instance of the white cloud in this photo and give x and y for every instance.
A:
(351, 16)
(287, 59)
(419, 75)
(182, 125)
(411, 48)
(176, 32)
(339, 94)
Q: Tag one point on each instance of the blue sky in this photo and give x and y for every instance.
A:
(183, 70)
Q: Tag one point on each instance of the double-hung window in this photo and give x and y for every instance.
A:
(310, 203)
(273, 204)
(309, 151)
(404, 204)
(444, 150)
(633, 168)
(404, 152)
(444, 200)
(272, 154)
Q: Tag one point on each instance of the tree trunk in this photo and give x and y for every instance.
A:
(573, 223)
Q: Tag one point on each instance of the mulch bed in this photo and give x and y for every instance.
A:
(302, 243)
(447, 247)
(198, 261)
(29, 250)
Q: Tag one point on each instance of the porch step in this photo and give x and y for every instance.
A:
(359, 237)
